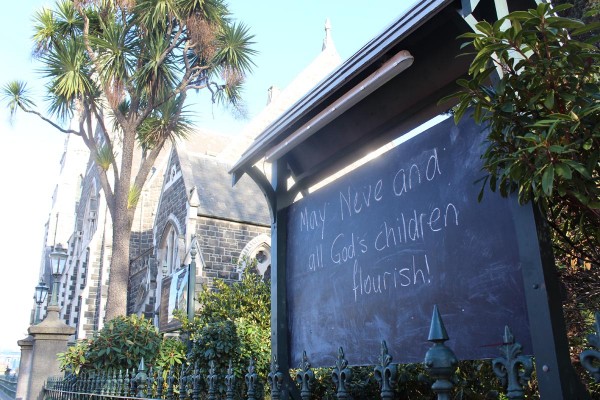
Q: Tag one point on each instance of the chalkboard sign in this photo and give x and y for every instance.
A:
(371, 253)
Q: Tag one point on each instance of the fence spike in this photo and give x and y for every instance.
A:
(170, 382)
(212, 381)
(341, 375)
(196, 378)
(385, 373)
(133, 383)
(251, 380)
(440, 360)
(305, 377)
(141, 380)
(590, 358)
(275, 379)
(229, 382)
(160, 381)
(182, 384)
(126, 383)
(513, 369)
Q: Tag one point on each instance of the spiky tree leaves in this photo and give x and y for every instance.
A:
(133, 63)
(15, 93)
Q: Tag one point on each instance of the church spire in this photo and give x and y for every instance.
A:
(328, 41)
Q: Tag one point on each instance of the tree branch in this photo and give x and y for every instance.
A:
(49, 121)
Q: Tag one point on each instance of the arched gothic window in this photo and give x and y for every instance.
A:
(169, 250)
(258, 250)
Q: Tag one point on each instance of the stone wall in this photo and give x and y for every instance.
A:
(220, 244)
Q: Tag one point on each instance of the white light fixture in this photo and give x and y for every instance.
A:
(58, 260)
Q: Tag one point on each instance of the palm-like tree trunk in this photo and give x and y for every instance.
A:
(122, 217)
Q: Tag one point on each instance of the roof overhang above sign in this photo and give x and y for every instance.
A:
(317, 137)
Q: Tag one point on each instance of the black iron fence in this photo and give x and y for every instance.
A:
(512, 368)
(8, 385)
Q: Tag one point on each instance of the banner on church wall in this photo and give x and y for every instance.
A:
(174, 297)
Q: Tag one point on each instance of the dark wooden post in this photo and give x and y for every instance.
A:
(556, 376)
(279, 320)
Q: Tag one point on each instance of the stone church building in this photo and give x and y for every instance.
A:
(188, 202)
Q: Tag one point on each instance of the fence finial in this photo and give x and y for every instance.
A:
(275, 379)
(385, 373)
(514, 369)
(440, 360)
(141, 379)
(305, 378)
(229, 382)
(341, 375)
(212, 380)
(590, 358)
(251, 380)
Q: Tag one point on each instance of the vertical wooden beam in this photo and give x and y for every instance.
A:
(279, 317)
(556, 376)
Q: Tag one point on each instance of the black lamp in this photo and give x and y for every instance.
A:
(41, 292)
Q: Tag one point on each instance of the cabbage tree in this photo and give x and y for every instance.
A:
(120, 71)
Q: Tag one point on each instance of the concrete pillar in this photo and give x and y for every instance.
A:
(51, 337)
(26, 345)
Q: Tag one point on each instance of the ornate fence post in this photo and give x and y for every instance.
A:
(88, 383)
(341, 375)
(141, 380)
(133, 383)
(196, 382)
(440, 360)
(590, 358)
(120, 383)
(275, 379)
(126, 383)
(160, 381)
(170, 383)
(113, 383)
(385, 373)
(251, 379)
(514, 369)
(212, 381)
(229, 382)
(182, 384)
(97, 383)
(305, 378)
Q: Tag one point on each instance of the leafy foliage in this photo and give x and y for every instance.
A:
(121, 344)
(537, 88)
(232, 325)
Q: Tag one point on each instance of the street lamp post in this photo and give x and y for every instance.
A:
(58, 259)
(41, 292)
(49, 336)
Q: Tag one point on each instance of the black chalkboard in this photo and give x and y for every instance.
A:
(371, 253)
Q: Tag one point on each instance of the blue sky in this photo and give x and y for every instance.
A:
(288, 35)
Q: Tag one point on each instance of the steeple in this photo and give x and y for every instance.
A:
(328, 41)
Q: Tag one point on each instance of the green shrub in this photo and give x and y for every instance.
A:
(232, 325)
(121, 344)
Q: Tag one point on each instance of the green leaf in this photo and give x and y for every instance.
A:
(586, 28)
(549, 102)
(578, 167)
(563, 170)
(548, 180)
(566, 23)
